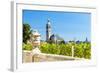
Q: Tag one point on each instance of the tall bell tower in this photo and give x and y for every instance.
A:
(48, 30)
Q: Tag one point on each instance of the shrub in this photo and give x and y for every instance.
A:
(87, 51)
(81, 50)
(27, 46)
(65, 49)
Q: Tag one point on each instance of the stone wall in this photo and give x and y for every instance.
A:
(28, 57)
(50, 57)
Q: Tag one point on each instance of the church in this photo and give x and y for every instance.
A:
(52, 38)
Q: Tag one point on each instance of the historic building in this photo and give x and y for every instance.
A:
(48, 30)
(52, 38)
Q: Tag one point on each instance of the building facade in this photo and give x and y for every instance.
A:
(52, 38)
(48, 30)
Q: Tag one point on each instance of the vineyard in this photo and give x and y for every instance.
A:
(81, 50)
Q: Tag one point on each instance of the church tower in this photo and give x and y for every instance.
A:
(48, 30)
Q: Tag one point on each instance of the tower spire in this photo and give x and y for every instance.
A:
(48, 30)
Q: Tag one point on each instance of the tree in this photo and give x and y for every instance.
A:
(26, 32)
(62, 42)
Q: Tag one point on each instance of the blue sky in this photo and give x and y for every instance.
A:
(68, 25)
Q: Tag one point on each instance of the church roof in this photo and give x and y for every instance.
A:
(55, 37)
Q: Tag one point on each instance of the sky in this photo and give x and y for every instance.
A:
(68, 25)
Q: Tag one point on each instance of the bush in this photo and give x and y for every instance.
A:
(65, 49)
(87, 51)
(49, 48)
(27, 46)
(78, 50)
(81, 50)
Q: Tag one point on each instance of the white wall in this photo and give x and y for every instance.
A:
(5, 39)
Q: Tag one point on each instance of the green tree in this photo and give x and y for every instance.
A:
(26, 33)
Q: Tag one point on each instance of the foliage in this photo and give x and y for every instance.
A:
(27, 46)
(78, 50)
(60, 49)
(26, 32)
(65, 49)
(87, 51)
(81, 50)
